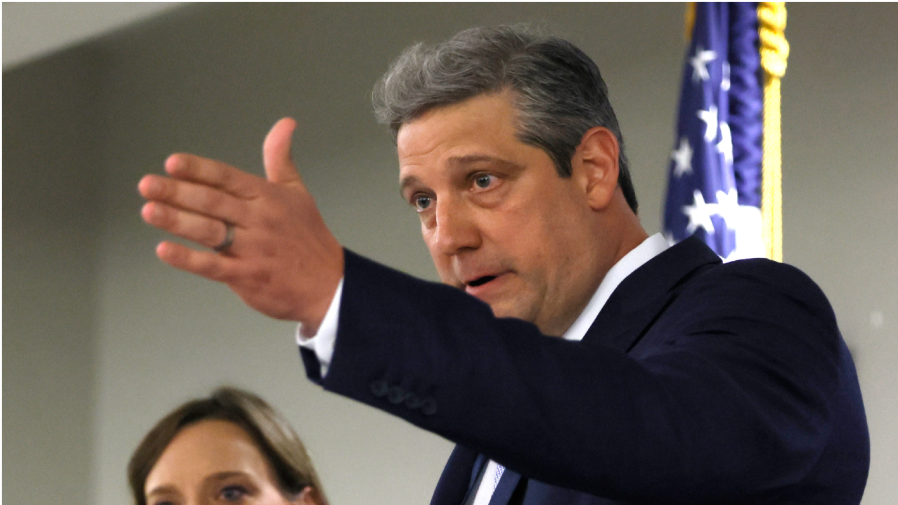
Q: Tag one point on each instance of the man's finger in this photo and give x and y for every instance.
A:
(210, 265)
(188, 167)
(276, 154)
(194, 198)
(203, 230)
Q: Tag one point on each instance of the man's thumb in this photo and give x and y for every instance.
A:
(276, 154)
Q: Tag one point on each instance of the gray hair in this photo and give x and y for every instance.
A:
(558, 91)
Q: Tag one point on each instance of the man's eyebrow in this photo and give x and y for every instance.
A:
(408, 180)
(459, 162)
(471, 159)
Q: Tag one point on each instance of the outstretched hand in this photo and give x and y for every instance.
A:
(283, 261)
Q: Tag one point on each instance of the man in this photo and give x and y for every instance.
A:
(676, 379)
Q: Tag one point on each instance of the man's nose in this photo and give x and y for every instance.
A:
(455, 228)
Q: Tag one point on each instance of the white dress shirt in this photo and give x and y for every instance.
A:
(324, 340)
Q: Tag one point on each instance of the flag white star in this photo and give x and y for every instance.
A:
(699, 214)
(710, 118)
(700, 63)
(748, 234)
(728, 207)
(725, 146)
(682, 156)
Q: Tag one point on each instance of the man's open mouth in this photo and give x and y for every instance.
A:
(481, 281)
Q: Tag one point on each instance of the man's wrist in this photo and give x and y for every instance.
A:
(322, 339)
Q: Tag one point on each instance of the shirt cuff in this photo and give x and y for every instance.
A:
(323, 342)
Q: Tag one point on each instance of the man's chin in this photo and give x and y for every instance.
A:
(504, 309)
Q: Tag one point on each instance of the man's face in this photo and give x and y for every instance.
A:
(498, 220)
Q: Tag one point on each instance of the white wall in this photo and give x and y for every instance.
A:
(33, 30)
(211, 79)
(52, 204)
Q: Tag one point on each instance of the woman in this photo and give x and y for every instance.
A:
(231, 447)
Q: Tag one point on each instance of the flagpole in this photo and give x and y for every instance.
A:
(774, 53)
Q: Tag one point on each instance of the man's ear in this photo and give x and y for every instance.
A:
(596, 162)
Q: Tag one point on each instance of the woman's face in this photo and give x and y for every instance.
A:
(215, 462)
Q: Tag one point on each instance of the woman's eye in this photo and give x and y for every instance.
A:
(483, 181)
(422, 203)
(233, 493)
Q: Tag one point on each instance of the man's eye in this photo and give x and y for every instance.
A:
(233, 493)
(483, 181)
(422, 203)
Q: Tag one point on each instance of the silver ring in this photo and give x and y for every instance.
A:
(228, 240)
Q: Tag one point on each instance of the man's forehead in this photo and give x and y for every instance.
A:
(482, 118)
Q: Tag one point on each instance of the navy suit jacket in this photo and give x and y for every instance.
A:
(698, 382)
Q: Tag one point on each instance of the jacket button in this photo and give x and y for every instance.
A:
(395, 395)
(412, 401)
(379, 388)
(429, 406)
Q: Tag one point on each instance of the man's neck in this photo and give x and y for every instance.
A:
(635, 258)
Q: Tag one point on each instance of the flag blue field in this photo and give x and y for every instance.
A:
(714, 175)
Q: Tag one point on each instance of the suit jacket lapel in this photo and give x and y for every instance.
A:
(643, 295)
(458, 475)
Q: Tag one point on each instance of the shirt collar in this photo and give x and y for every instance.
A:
(648, 249)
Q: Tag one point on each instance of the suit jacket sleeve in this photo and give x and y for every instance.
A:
(725, 382)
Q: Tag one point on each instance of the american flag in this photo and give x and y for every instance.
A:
(714, 176)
